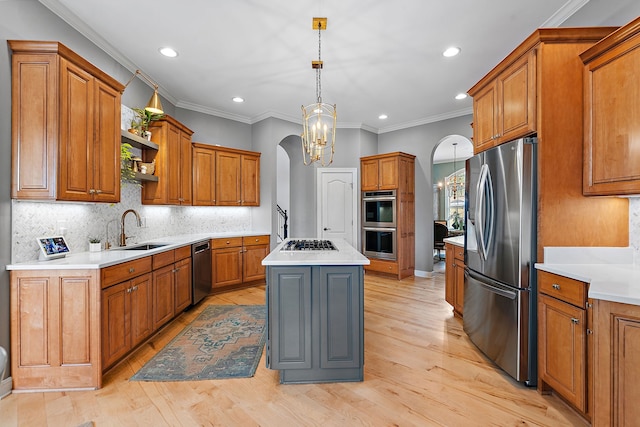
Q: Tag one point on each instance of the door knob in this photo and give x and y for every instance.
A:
(325, 229)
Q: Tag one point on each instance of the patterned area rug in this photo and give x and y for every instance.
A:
(224, 341)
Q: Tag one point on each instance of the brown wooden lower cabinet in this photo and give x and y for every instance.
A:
(126, 317)
(454, 277)
(55, 329)
(237, 261)
(616, 364)
(171, 284)
(562, 339)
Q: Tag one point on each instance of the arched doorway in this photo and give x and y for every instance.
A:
(448, 177)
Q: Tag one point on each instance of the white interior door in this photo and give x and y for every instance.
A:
(337, 202)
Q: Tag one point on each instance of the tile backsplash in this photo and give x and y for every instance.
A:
(80, 221)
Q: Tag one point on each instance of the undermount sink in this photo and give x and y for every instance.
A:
(142, 247)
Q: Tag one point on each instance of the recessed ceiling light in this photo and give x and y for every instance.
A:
(169, 52)
(382, 116)
(451, 51)
(238, 99)
(461, 96)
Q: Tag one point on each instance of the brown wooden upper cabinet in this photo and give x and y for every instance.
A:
(225, 176)
(504, 106)
(173, 164)
(379, 172)
(612, 113)
(65, 126)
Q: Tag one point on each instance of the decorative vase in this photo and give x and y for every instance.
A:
(95, 247)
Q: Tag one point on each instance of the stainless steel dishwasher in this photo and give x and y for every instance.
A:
(201, 280)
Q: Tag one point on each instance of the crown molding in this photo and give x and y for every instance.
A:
(76, 23)
(427, 120)
(564, 13)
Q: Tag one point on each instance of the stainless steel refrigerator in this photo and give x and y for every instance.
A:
(500, 313)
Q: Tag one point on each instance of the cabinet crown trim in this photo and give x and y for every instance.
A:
(227, 149)
(617, 37)
(394, 154)
(543, 35)
(53, 47)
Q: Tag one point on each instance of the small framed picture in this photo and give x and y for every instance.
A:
(53, 247)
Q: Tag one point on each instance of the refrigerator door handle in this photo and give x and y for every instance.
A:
(492, 285)
(484, 211)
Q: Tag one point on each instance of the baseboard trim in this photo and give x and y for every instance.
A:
(420, 273)
(5, 387)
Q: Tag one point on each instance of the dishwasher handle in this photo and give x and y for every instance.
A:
(201, 248)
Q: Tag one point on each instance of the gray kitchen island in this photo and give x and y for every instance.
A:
(315, 311)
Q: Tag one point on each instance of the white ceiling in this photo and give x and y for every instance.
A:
(379, 56)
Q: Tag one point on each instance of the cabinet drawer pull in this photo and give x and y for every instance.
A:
(575, 321)
(556, 286)
(589, 332)
(98, 191)
(131, 270)
(228, 242)
(128, 290)
(135, 288)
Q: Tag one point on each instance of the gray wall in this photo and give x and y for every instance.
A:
(215, 130)
(421, 141)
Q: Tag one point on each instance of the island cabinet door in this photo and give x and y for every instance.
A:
(341, 317)
(289, 317)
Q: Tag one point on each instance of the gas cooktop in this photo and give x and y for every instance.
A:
(309, 245)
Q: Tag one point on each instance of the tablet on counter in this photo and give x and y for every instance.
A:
(53, 247)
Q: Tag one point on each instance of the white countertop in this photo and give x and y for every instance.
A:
(610, 272)
(345, 255)
(457, 240)
(96, 260)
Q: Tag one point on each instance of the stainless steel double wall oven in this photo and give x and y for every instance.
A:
(379, 213)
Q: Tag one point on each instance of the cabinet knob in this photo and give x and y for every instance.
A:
(556, 286)
(135, 288)
(228, 242)
(128, 290)
(575, 321)
(131, 270)
(98, 191)
(257, 240)
(589, 332)
(91, 191)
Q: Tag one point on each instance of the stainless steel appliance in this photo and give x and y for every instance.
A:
(308, 245)
(500, 248)
(379, 209)
(379, 242)
(201, 271)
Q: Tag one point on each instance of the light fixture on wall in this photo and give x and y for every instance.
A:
(455, 185)
(318, 119)
(154, 105)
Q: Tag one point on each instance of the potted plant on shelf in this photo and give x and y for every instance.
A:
(143, 120)
(94, 244)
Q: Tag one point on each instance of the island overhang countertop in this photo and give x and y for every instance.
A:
(344, 255)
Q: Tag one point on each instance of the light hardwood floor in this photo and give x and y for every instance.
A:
(420, 370)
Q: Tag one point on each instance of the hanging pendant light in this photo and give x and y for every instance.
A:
(454, 185)
(318, 119)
